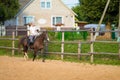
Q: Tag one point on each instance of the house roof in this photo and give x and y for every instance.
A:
(68, 8)
(25, 3)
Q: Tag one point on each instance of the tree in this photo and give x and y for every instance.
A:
(77, 9)
(91, 10)
(8, 9)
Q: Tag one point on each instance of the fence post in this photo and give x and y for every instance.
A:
(13, 42)
(91, 47)
(62, 46)
(79, 50)
(46, 45)
(16, 31)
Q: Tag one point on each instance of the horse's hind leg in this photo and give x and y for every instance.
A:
(25, 53)
(34, 56)
(25, 56)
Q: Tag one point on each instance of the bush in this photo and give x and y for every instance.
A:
(69, 35)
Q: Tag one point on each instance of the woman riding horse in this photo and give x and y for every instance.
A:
(36, 46)
(33, 32)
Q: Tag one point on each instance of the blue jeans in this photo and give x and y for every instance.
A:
(31, 39)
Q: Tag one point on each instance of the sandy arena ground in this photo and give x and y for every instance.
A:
(12, 68)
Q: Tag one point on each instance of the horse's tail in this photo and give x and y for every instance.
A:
(21, 42)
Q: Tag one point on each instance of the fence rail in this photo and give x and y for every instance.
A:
(63, 42)
(8, 48)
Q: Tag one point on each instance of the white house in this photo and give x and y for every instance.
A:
(45, 13)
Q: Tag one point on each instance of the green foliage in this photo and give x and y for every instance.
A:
(84, 35)
(70, 35)
(91, 11)
(80, 16)
(8, 9)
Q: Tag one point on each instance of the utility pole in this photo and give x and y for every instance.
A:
(102, 17)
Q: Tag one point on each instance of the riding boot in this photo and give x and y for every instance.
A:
(32, 40)
(28, 42)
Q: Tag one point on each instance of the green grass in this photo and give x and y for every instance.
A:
(106, 47)
(72, 48)
(106, 59)
(98, 59)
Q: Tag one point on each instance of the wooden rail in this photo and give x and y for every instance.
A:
(63, 42)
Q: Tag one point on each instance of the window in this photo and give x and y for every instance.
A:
(45, 4)
(42, 4)
(56, 20)
(28, 19)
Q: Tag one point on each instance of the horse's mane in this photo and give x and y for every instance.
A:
(42, 34)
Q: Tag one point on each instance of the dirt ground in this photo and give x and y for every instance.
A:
(14, 68)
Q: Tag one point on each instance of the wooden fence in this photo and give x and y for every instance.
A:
(19, 30)
(22, 30)
(63, 42)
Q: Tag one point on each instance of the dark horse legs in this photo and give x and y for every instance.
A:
(34, 55)
(43, 55)
(25, 52)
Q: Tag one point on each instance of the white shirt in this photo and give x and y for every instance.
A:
(33, 30)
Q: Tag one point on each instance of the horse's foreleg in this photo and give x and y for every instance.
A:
(43, 55)
(34, 56)
(25, 56)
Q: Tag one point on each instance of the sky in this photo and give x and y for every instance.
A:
(70, 3)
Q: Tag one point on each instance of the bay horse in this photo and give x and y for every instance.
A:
(38, 45)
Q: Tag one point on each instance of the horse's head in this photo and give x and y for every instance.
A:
(44, 35)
